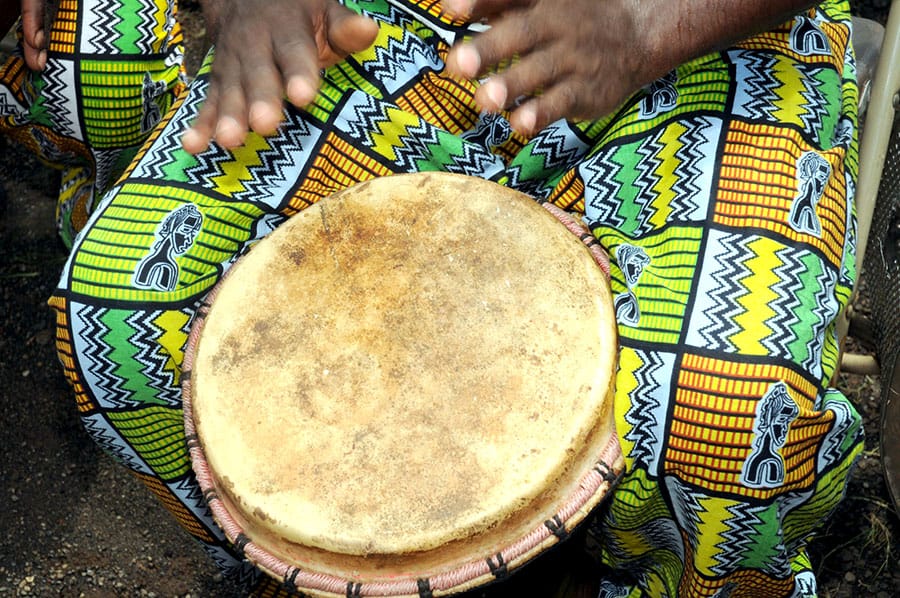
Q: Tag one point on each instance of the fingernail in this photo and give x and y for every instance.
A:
(468, 60)
(260, 117)
(496, 93)
(527, 118)
(229, 132)
(190, 141)
(300, 92)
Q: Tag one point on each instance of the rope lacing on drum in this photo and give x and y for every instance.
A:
(290, 579)
(606, 472)
(240, 542)
(556, 526)
(210, 495)
(499, 568)
(424, 588)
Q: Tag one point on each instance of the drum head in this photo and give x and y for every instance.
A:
(411, 374)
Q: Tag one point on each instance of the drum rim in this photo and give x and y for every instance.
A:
(594, 486)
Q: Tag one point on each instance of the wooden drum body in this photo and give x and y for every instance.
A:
(405, 389)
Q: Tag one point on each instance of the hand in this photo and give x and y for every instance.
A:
(577, 58)
(582, 58)
(37, 16)
(266, 50)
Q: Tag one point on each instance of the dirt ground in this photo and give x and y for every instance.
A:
(74, 523)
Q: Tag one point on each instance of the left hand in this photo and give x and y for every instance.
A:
(577, 58)
(37, 16)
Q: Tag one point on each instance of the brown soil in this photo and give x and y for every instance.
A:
(74, 523)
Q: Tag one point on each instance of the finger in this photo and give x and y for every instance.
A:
(458, 9)
(263, 89)
(225, 70)
(464, 61)
(492, 96)
(231, 125)
(564, 100)
(532, 73)
(511, 36)
(197, 138)
(35, 59)
(32, 20)
(296, 56)
(265, 104)
(349, 32)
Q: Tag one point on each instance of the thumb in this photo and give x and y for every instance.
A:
(34, 35)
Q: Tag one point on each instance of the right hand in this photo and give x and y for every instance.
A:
(266, 50)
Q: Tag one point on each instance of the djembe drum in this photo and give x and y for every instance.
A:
(406, 389)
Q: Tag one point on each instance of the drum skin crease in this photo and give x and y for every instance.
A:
(414, 370)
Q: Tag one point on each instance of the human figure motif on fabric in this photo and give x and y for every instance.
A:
(764, 468)
(661, 96)
(632, 261)
(807, 39)
(492, 130)
(150, 91)
(813, 172)
(159, 270)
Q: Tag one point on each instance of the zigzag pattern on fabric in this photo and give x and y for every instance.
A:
(98, 369)
(144, 22)
(100, 30)
(100, 362)
(755, 96)
(741, 532)
(547, 157)
(785, 305)
(647, 182)
(759, 96)
(166, 149)
(689, 199)
(105, 162)
(147, 339)
(687, 505)
(399, 62)
(726, 269)
(628, 183)
(645, 416)
(59, 101)
(112, 442)
(413, 145)
(832, 451)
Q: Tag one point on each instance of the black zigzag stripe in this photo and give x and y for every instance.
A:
(104, 30)
(55, 93)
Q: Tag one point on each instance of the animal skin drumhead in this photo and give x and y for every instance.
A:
(413, 369)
